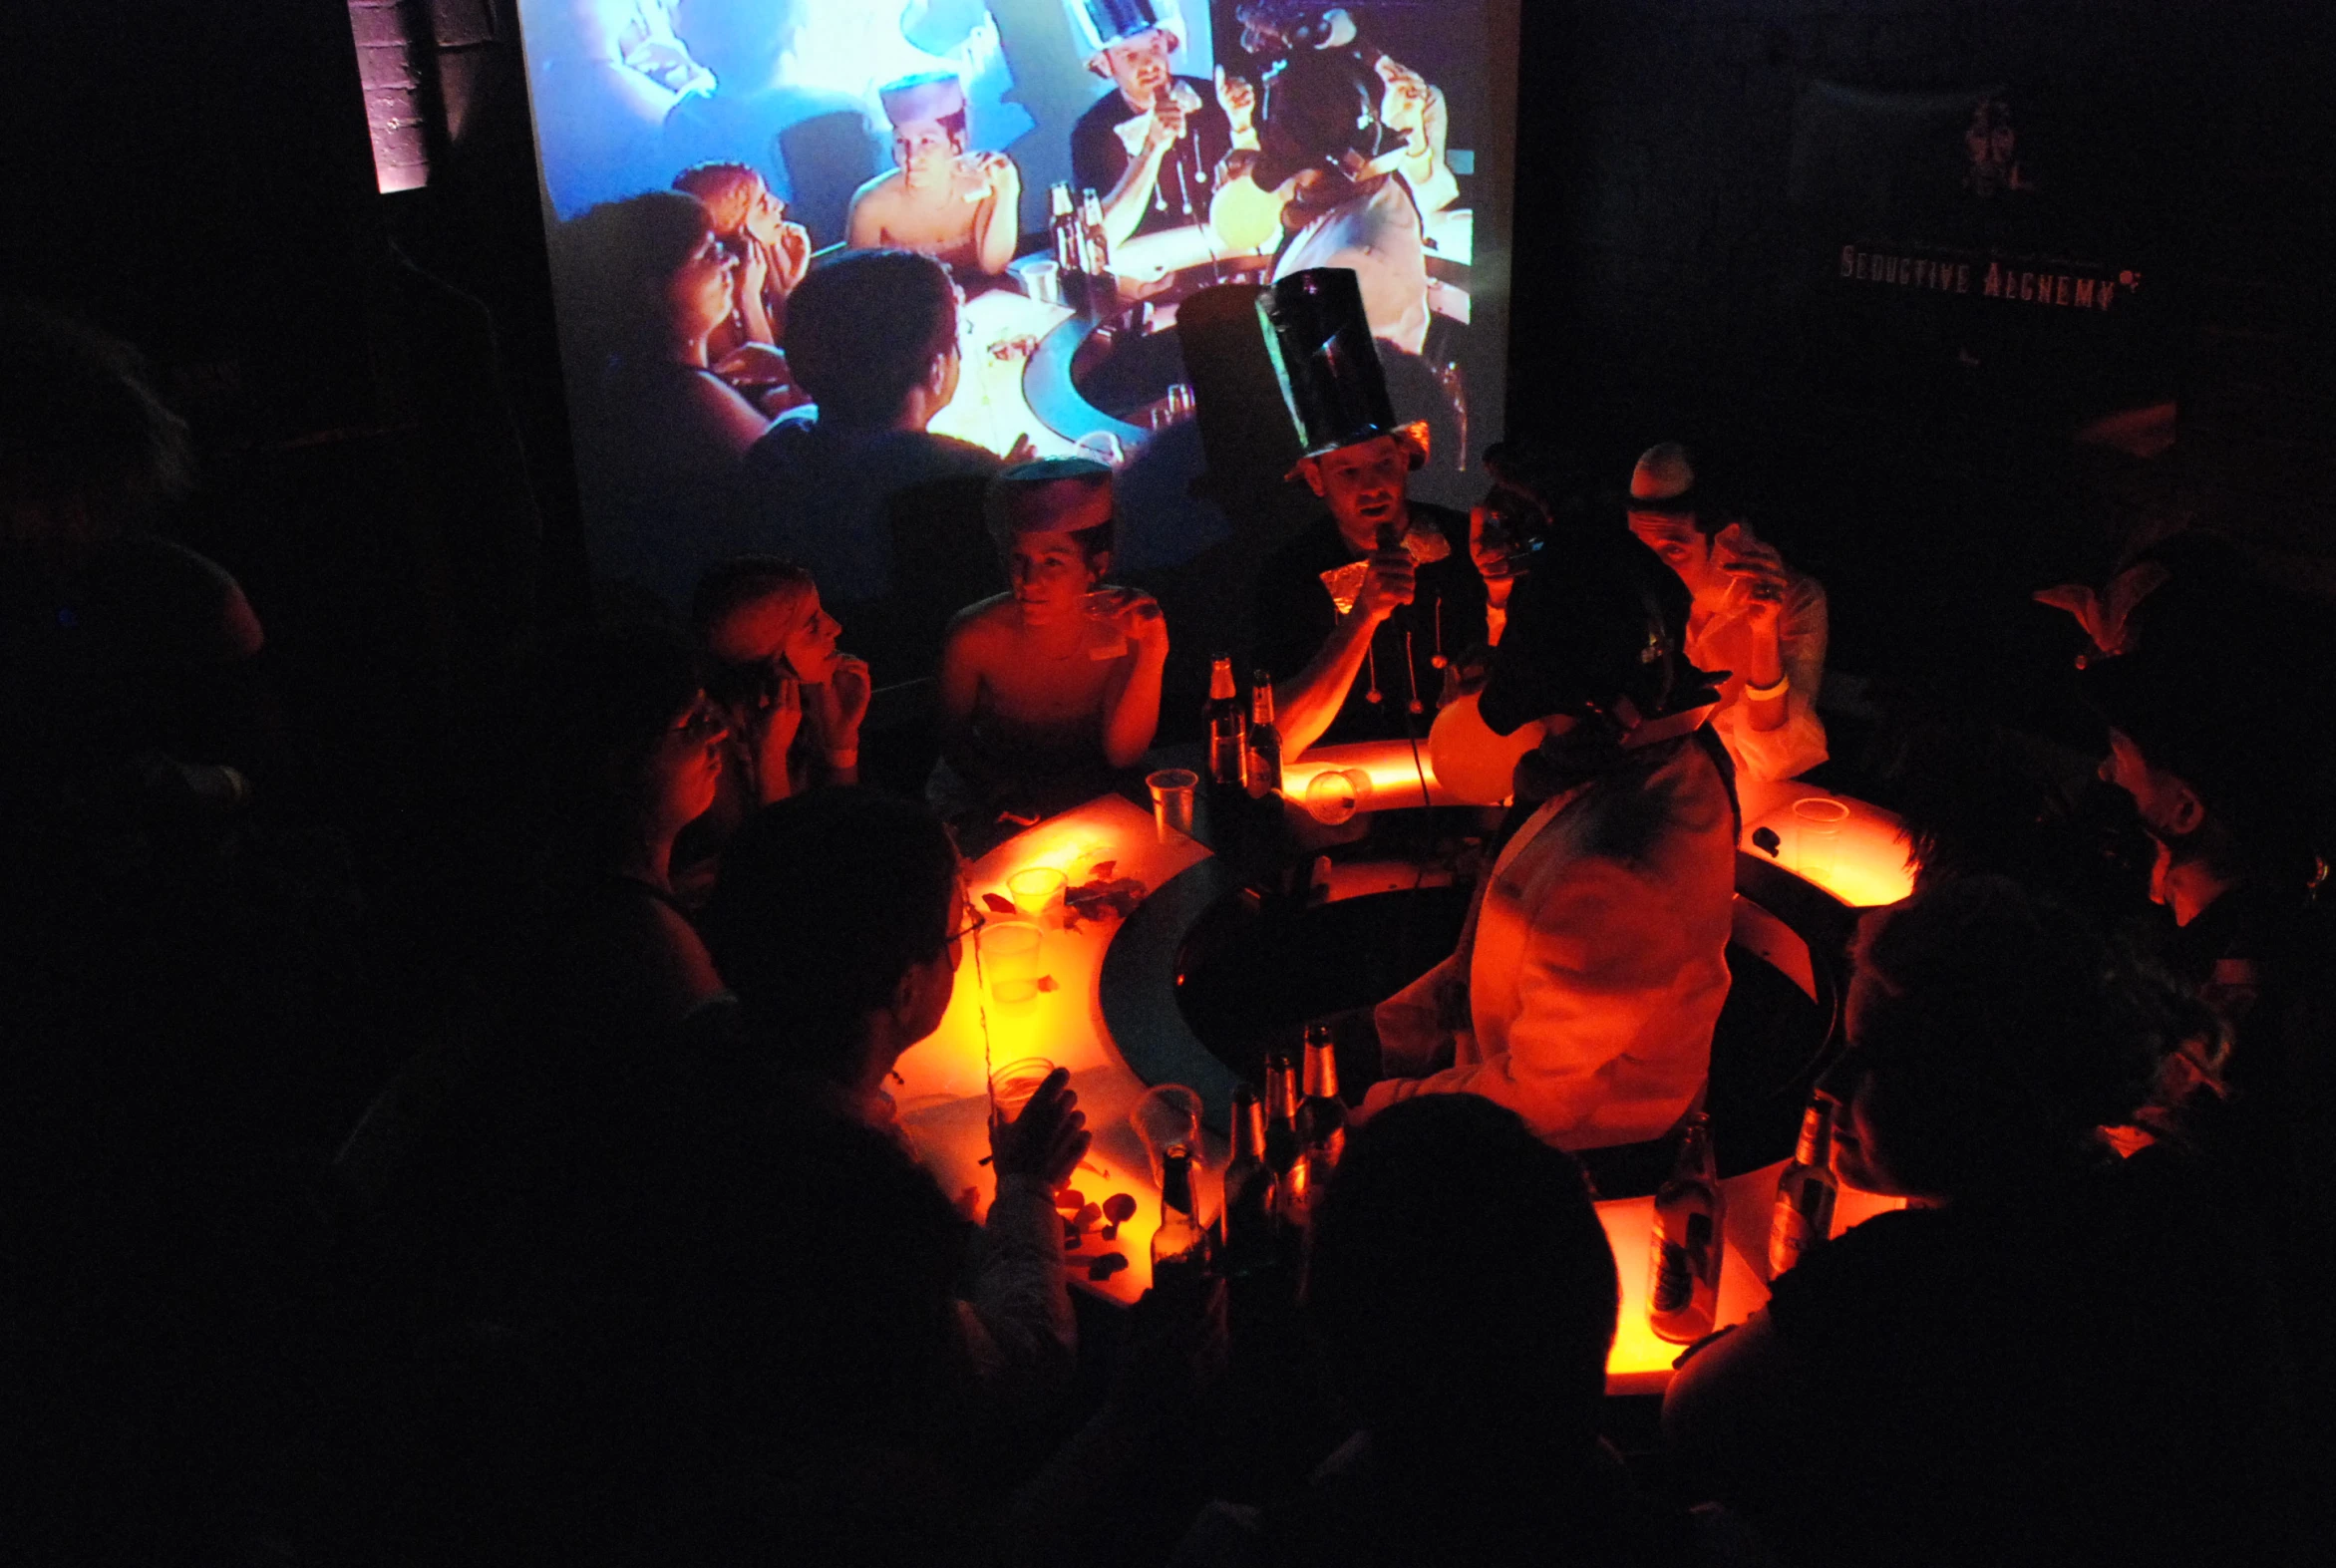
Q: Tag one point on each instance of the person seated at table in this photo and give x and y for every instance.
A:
(1049, 689)
(1755, 618)
(1154, 145)
(840, 922)
(1357, 614)
(1479, 1387)
(1592, 967)
(663, 434)
(790, 700)
(2056, 1357)
(630, 753)
(772, 257)
(872, 336)
(961, 210)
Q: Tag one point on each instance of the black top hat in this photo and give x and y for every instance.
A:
(1327, 361)
(1599, 635)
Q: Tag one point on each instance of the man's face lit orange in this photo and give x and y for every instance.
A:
(1364, 486)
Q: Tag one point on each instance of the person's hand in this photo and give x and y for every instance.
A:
(767, 733)
(1167, 124)
(840, 703)
(1237, 97)
(1756, 575)
(1049, 1138)
(791, 256)
(995, 175)
(1023, 450)
(1392, 582)
(1404, 106)
(754, 267)
(2105, 617)
(1136, 616)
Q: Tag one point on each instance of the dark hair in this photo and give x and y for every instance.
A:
(826, 901)
(614, 259)
(603, 696)
(80, 421)
(2005, 1029)
(1458, 1266)
(864, 330)
(730, 586)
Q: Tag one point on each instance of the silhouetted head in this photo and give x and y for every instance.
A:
(867, 329)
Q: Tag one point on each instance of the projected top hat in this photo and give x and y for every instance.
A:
(1096, 25)
(1327, 363)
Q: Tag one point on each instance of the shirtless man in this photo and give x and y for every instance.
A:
(960, 209)
(1042, 699)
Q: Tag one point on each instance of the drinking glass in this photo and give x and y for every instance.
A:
(1038, 893)
(1172, 790)
(1167, 1117)
(1010, 962)
(1817, 835)
(1012, 1086)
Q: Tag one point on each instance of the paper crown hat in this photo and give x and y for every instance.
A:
(1327, 363)
(930, 95)
(1096, 25)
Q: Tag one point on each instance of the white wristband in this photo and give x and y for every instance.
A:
(1769, 693)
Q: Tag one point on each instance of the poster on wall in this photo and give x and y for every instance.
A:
(1994, 250)
(1047, 182)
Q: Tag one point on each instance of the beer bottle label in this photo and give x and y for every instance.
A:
(1672, 1284)
(1791, 1233)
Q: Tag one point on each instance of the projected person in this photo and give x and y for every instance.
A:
(662, 433)
(1358, 613)
(1044, 691)
(812, 145)
(872, 336)
(604, 74)
(772, 257)
(1327, 152)
(958, 208)
(1155, 145)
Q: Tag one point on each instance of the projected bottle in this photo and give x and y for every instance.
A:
(1247, 1218)
(1321, 1115)
(1683, 1291)
(1180, 1248)
(1228, 730)
(1804, 1214)
(1095, 247)
(1063, 226)
(1264, 763)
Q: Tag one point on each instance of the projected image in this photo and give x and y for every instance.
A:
(822, 266)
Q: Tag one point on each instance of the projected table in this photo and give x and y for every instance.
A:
(942, 1096)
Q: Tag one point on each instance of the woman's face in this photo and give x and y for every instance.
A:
(1049, 575)
(700, 292)
(683, 768)
(788, 633)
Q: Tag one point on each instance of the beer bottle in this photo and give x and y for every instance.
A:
(1062, 227)
(1180, 1248)
(1095, 248)
(1229, 737)
(1264, 760)
(1285, 1150)
(1247, 1218)
(1683, 1291)
(1322, 1115)
(1804, 1214)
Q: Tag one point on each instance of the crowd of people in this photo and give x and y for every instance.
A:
(639, 1263)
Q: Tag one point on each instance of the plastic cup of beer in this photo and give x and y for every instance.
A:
(1816, 835)
(1104, 638)
(1172, 790)
(1012, 1084)
(1037, 892)
(1010, 963)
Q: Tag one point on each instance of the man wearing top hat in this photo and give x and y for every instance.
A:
(1592, 967)
(1358, 615)
(957, 209)
(1153, 146)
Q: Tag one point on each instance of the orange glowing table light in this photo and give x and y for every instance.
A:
(943, 1096)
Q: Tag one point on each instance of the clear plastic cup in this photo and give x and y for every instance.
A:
(1010, 962)
(1105, 640)
(1037, 892)
(1172, 790)
(1012, 1084)
(1816, 835)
